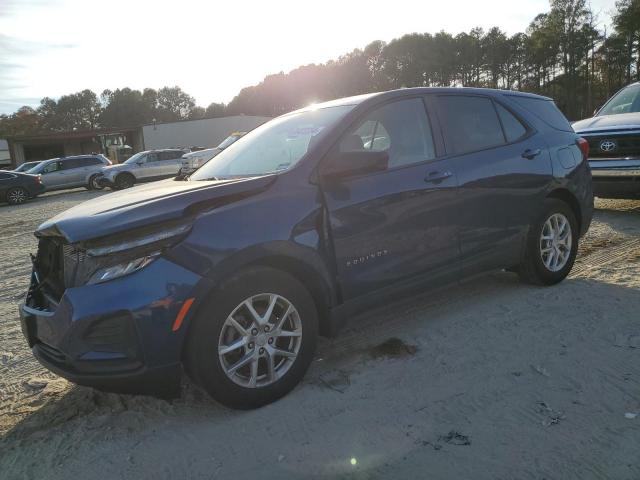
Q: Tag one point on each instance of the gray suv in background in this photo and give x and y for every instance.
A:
(143, 167)
(71, 172)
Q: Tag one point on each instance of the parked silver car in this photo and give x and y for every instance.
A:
(143, 167)
(71, 172)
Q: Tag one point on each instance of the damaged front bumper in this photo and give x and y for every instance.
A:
(114, 336)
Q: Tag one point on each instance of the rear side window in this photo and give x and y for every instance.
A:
(73, 163)
(471, 123)
(512, 127)
(169, 155)
(545, 110)
(93, 161)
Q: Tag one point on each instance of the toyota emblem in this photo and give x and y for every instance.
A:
(608, 145)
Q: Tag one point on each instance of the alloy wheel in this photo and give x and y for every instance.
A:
(260, 340)
(555, 242)
(17, 196)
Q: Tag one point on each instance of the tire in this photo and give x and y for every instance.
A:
(17, 196)
(208, 367)
(546, 261)
(92, 184)
(125, 180)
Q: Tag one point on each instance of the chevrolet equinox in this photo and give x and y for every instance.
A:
(311, 217)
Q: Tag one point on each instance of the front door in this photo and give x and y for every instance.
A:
(52, 176)
(399, 224)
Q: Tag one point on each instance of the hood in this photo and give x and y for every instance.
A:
(620, 121)
(146, 205)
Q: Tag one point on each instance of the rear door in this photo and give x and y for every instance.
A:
(399, 224)
(170, 161)
(487, 143)
(73, 172)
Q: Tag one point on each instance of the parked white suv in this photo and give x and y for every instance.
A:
(143, 167)
(194, 160)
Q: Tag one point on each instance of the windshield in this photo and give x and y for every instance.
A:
(134, 158)
(626, 100)
(273, 147)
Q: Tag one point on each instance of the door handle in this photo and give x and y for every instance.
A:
(530, 154)
(437, 176)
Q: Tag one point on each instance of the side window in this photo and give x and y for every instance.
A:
(169, 155)
(52, 167)
(400, 128)
(471, 123)
(92, 161)
(70, 164)
(151, 157)
(512, 127)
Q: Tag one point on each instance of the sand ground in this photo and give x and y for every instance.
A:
(490, 379)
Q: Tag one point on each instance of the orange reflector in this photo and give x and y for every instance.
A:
(182, 313)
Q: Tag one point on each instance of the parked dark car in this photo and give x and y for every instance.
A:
(613, 134)
(304, 221)
(17, 187)
(26, 166)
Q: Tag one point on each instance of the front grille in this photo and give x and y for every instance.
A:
(614, 145)
(49, 266)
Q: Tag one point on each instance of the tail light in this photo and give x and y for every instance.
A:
(39, 178)
(583, 145)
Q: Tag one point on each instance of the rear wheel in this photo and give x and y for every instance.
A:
(17, 195)
(125, 180)
(552, 245)
(254, 340)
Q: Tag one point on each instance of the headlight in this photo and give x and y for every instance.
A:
(138, 241)
(122, 269)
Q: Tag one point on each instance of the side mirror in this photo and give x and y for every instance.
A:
(358, 162)
(139, 162)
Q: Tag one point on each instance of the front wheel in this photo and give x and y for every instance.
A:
(552, 245)
(94, 183)
(125, 180)
(255, 338)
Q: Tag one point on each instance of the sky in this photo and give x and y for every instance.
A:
(212, 49)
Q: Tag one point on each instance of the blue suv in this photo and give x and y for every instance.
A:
(293, 229)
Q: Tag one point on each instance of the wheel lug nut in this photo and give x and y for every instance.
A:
(261, 351)
(270, 341)
(266, 328)
(254, 331)
(250, 345)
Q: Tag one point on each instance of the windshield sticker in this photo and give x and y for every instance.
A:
(309, 131)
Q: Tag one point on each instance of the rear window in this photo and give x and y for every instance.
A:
(545, 110)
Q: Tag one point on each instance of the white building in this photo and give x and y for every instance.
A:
(207, 132)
